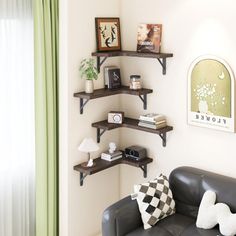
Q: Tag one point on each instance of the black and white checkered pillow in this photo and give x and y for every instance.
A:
(155, 200)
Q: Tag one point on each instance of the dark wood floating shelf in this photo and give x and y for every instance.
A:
(161, 57)
(103, 126)
(98, 93)
(101, 165)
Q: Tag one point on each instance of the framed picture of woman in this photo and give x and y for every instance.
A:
(108, 34)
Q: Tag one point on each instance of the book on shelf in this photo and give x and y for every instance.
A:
(152, 126)
(106, 74)
(152, 122)
(149, 38)
(114, 79)
(110, 155)
(152, 117)
(112, 158)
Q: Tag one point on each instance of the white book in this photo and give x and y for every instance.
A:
(153, 122)
(111, 159)
(111, 155)
(152, 117)
(152, 126)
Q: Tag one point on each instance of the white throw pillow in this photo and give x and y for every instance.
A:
(211, 214)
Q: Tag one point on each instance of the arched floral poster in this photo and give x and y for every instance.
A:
(211, 94)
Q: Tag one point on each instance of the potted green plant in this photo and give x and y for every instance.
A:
(88, 71)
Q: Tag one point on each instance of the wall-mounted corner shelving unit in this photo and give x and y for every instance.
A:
(103, 126)
(98, 93)
(100, 165)
(161, 57)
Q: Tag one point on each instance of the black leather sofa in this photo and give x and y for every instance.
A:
(188, 186)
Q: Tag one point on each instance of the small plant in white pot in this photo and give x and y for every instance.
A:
(88, 71)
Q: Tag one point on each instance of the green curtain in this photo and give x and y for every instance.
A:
(46, 100)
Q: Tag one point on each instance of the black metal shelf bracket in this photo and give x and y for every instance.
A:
(100, 61)
(82, 104)
(144, 169)
(144, 100)
(99, 134)
(163, 64)
(82, 177)
(163, 137)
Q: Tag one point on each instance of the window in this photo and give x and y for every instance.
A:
(16, 119)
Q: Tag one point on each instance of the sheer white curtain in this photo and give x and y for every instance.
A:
(17, 151)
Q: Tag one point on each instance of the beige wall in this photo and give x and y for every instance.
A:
(82, 207)
(190, 28)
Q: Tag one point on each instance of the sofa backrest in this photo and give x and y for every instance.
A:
(189, 184)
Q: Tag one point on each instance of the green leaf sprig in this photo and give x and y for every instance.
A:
(88, 70)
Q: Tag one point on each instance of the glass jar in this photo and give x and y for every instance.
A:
(135, 82)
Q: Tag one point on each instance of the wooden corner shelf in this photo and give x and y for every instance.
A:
(98, 93)
(101, 165)
(161, 57)
(103, 126)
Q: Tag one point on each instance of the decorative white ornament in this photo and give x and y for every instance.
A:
(211, 214)
(90, 163)
(112, 147)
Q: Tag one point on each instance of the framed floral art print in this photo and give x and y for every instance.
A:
(108, 34)
(211, 94)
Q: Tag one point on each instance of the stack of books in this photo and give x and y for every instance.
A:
(111, 156)
(152, 121)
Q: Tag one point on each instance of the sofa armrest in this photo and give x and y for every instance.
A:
(121, 218)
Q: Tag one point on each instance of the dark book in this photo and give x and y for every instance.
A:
(149, 38)
(114, 80)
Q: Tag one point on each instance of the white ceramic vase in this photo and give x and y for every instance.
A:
(89, 86)
(203, 107)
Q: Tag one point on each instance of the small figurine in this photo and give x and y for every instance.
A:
(90, 163)
(112, 147)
